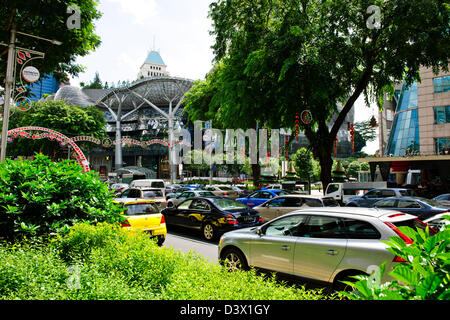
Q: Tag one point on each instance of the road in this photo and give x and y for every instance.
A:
(186, 240)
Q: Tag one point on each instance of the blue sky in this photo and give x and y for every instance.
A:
(181, 32)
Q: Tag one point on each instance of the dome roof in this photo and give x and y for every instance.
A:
(73, 95)
(155, 58)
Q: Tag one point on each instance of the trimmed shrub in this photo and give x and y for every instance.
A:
(107, 262)
(41, 197)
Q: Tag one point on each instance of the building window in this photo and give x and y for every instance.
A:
(442, 115)
(441, 84)
(442, 145)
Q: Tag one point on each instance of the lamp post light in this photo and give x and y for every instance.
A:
(9, 83)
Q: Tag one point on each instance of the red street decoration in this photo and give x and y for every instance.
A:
(373, 122)
(335, 147)
(51, 134)
(297, 121)
(351, 128)
(352, 134)
(306, 117)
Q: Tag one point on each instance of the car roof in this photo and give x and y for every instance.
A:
(133, 201)
(315, 196)
(359, 211)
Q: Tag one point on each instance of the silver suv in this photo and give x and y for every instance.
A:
(323, 244)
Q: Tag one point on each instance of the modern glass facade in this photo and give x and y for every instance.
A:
(441, 114)
(46, 85)
(404, 138)
(441, 84)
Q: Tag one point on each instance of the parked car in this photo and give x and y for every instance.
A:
(284, 204)
(212, 215)
(443, 199)
(322, 244)
(242, 192)
(144, 215)
(259, 197)
(188, 194)
(154, 194)
(222, 191)
(149, 183)
(119, 187)
(419, 207)
(438, 222)
(374, 195)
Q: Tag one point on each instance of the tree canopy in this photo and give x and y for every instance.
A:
(48, 19)
(276, 58)
(69, 120)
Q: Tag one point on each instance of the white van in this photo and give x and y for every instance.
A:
(149, 183)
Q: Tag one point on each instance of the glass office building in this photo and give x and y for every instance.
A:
(47, 85)
(405, 138)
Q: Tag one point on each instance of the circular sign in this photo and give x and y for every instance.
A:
(30, 74)
(307, 117)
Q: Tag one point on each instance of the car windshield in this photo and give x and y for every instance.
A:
(158, 184)
(412, 223)
(407, 193)
(225, 189)
(140, 209)
(152, 194)
(430, 202)
(228, 204)
(282, 193)
(206, 194)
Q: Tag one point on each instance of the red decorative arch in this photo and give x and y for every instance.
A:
(52, 135)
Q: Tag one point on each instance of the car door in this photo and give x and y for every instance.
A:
(412, 207)
(319, 248)
(370, 198)
(274, 248)
(177, 215)
(198, 212)
(271, 209)
(251, 200)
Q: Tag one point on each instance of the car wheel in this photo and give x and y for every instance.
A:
(234, 260)
(208, 231)
(338, 285)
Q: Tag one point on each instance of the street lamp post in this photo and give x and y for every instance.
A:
(9, 83)
(8, 86)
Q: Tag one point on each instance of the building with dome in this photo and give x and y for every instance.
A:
(153, 66)
(139, 117)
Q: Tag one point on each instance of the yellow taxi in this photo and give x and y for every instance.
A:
(144, 215)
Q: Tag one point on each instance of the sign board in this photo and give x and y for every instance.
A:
(31, 74)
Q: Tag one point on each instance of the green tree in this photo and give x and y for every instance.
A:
(69, 120)
(47, 18)
(303, 164)
(95, 84)
(277, 58)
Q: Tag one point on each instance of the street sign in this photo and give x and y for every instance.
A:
(31, 74)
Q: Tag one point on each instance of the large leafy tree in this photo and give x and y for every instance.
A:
(69, 120)
(276, 58)
(48, 19)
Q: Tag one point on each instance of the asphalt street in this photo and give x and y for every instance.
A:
(186, 240)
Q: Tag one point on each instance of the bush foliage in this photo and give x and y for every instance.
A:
(41, 197)
(424, 276)
(107, 262)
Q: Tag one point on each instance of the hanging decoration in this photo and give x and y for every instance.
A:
(297, 121)
(307, 117)
(373, 122)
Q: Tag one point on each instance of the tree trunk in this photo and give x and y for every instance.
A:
(326, 165)
(256, 174)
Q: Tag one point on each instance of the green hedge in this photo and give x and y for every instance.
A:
(110, 263)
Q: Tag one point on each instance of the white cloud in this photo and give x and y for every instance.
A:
(141, 10)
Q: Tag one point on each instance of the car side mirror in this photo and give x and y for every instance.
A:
(259, 231)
